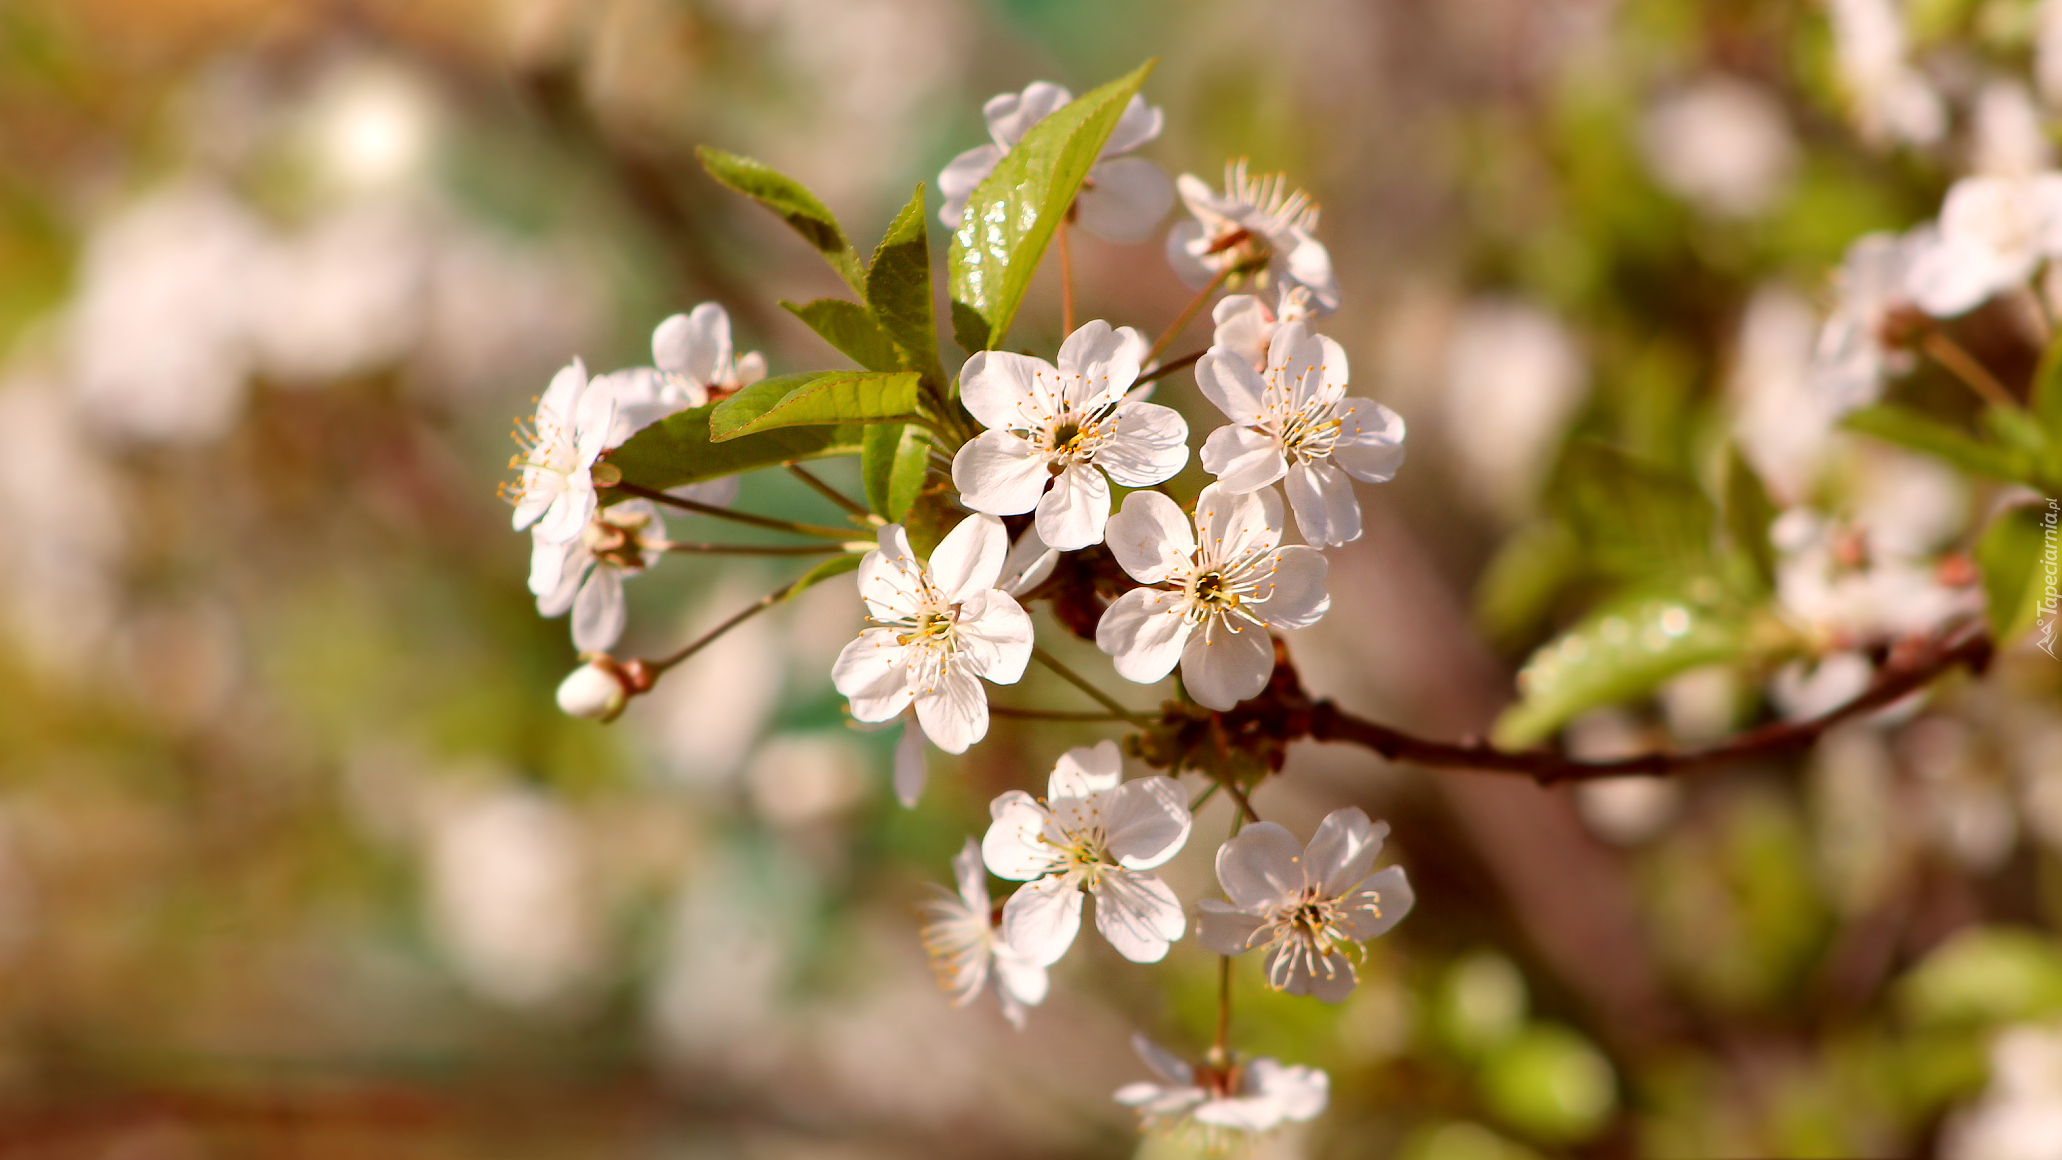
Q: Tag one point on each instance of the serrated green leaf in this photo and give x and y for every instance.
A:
(898, 289)
(1012, 214)
(892, 465)
(793, 203)
(812, 399)
(2011, 556)
(835, 566)
(1635, 519)
(849, 327)
(1748, 514)
(1614, 656)
(677, 450)
(1929, 436)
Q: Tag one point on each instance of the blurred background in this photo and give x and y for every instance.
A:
(297, 858)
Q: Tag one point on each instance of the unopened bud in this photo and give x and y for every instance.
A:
(594, 691)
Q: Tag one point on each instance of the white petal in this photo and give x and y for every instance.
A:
(1343, 850)
(890, 576)
(910, 774)
(959, 179)
(559, 401)
(1000, 474)
(1261, 867)
(1370, 444)
(1231, 526)
(873, 671)
(1243, 326)
(1187, 267)
(1128, 200)
(1019, 978)
(966, 865)
(1232, 385)
(1139, 914)
(1014, 846)
(696, 345)
(1139, 124)
(1071, 515)
(1336, 369)
(969, 558)
(1391, 894)
(1011, 115)
(550, 566)
(998, 387)
(1300, 1092)
(1292, 355)
(569, 511)
(1143, 631)
(1147, 821)
(1221, 667)
(1164, 1063)
(1327, 511)
(599, 612)
(1299, 599)
(1028, 565)
(1104, 357)
(1309, 264)
(1041, 919)
(1085, 771)
(953, 710)
(1330, 978)
(1243, 459)
(995, 635)
(1150, 444)
(1151, 538)
(1224, 929)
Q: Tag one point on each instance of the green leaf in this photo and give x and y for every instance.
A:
(1748, 514)
(1929, 436)
(1637, 519)
(677, 450)
(1551, 1083)
(892, 463)
(792, 202)
(1518, 590)
(835, 566)
(1014, 211)
(814, 398)
(1614, 656)
(851, 328)
(2016, 570)
(898, 289)
(1985, 975)
(2046, 399)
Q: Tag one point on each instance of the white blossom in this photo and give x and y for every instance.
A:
(1123, 198)
(1212, 593)
(1515, 378)
(692, 364)
(2020, 1115)
(571, 429)
(1848, 585)
(1892, 100)
(1258, 228)
(965, 945)
(1295, 421)
(1055, 432)
(1311, 907)
(585, 574)
(1723, 144)
(511, 898)
(1247, 1097)
(1862, 341)
(1245, 324)
(940, 627)
(1093, 833)
(1994, 232)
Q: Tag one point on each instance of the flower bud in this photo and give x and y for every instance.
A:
(594, 691)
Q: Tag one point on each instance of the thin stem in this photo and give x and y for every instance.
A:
(1246, 811)
(2037, 309)
(1066, 282)
(1205, 796)
(1974, 375)
(1048, 714)
(853, 508)
(703, 641)
(759, 549)
(702, 509)
(1075, 679)
(1187, 312)
(1161, 372)
(1220, 1051)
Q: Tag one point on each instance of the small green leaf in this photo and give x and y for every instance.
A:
(835, 566)
(1636, 519)
(2046, 399)
(1929, 436)
(1748, 514)
(1518, 590)
(898, 289)
(2016, 571)
(677, 451)
(1614, 656)
(852, 329)
(814, 398)
(792, 202)
(1552, 1084)
(1985, 975)
(892, 465)
(1014, 211)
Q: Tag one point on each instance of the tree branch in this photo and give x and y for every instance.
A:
(1909, 668)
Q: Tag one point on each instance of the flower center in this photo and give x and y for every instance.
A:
(934, 626)
(1213, 590)
(1316, 928)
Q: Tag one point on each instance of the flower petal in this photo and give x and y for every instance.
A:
(1243, 459)
(555, 573)
(1144, 631)
(1181, 242)
(960, 178)
(1138, 124)
(966, 865)
(1072, 513)
(696, 344)
(1310, 264)
(1151, 538)
(999, 387)
(1370, 443)
(1020, 979)
(1261, 867)
(1300, 1092)
(1230, 526)
(1164, 1063)
(1028, 565)
(1224, 929)
(1011, 115)
(873, 671)
(1343, 850)
(890, 578)
(599, 612)
(995, 635)
(1224, 664)
(911, 772)
(1138, 913)
(1104, 358)
(1390, 893)
(999, 473)
(969, 558)
(1327, 511)
(1041, 919)
(1330, 978)
(1146, 820)
(1150, 444)
(1232, 385)
(1299, 599)
(1086, 771)
(1128, 199)
(1015, 845)
(953, 709)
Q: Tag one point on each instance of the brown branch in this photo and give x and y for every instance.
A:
(1909, 668)
(1165, 369)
